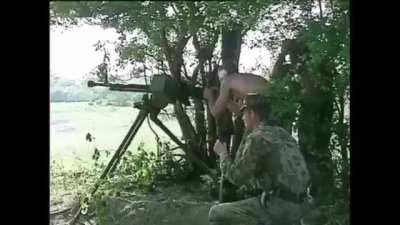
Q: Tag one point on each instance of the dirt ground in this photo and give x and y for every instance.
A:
(176, 205)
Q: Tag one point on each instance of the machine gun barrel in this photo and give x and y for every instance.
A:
(163, 89)
(121, 87)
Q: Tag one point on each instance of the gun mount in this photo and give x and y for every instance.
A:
(163, 90)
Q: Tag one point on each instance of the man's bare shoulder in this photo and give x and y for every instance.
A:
(246, 82)
(253, 76)
(248, 77)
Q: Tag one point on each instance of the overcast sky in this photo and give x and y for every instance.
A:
(73, 55)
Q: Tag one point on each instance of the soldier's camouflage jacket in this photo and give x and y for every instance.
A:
(268, 157)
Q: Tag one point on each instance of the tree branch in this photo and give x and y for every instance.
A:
(173, 6)
(151, 55)
(320, 11)
(196, 45)
(279, 30)
(332, 8)
(203, 53)
(195, 74)
(195, 42)
(185, 71)
(277, 68)
(164, 42)
(182, 43)
(61, 211)
(336, 103)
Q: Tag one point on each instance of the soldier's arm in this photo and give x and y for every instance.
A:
(218, 106)
(244, 166)
(233, 107)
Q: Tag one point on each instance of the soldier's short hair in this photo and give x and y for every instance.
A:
(258, 103)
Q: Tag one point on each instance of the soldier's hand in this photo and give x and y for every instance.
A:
(210, 92)
(207, 93)
(220, 149)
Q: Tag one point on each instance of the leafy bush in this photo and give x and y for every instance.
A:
(138, 172)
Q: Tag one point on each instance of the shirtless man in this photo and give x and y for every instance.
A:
(233, 88)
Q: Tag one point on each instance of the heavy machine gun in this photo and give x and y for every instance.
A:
(162, 90)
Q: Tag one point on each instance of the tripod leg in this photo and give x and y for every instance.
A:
(117, 155)
(166, 130)
(124, 145)
(190, 155)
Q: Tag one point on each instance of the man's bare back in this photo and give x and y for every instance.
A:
(233, 88)
(244, 83)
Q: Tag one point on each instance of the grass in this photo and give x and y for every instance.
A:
(70, 122)
(72, 167)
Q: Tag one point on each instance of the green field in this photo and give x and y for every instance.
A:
(70, 122)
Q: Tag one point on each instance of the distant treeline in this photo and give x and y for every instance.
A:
(77, 91)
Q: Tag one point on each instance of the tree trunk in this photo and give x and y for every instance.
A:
(314, 136)
(281, 70)
(211, 79)
(296, 49)
(190, 137)
(231, 46)
(200, 127)
(321, 16)
(315, 114)
(211, 138)
(343, 142)
(174, 53)
(203, 53)
(314, 131)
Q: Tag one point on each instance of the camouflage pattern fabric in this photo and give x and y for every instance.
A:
(251, 212)
(267, 158)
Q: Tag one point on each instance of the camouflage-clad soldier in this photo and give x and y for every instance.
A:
(268, 159)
